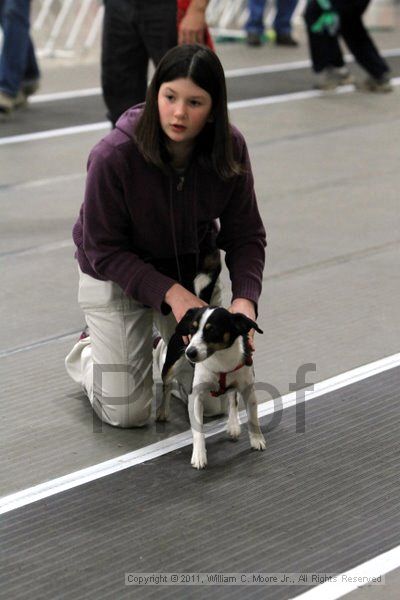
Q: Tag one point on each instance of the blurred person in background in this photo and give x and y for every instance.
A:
(326, 22)
(281, 25)
(19, 71)
(136, 31)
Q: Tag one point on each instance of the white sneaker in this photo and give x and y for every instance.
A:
(381, 85)
(332, 77)
(343, 75)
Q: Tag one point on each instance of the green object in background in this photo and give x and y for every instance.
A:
(325, 4)
(328, 21)
(226, 39)
(268, 37)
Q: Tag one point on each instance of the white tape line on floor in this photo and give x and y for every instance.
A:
(152, 451)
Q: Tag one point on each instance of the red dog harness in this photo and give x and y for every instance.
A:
(222, 378)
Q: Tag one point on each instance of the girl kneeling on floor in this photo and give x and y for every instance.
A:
(170, 184)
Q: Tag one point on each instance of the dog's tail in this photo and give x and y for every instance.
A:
(175, 350)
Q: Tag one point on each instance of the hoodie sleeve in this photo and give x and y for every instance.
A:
(242, 234)
(107, 234)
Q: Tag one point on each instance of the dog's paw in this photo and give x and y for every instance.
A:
(233, 430)
(257, 441)
(199, 459)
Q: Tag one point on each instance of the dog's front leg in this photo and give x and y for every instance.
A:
(233, 427)
(199, 455)
(257, 440)
(168, 360)
(162, 412)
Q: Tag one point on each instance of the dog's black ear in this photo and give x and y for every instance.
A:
(244, 324)
(184, 324)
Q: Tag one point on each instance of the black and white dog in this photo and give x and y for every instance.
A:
(220, 351)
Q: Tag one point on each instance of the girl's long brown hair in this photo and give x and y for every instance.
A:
(214, 148)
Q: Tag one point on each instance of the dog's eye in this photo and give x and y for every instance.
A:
(194, 327)
(209, 327)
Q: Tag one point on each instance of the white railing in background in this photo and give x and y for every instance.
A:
(72, 28)
(67, 28)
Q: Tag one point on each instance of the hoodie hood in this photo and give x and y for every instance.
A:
(129, 119)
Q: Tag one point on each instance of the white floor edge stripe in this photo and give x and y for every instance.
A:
(152, 451)
(104, 125)
(39, 344)
(51, 133)
(66, 95)
(229, 74)
(34, 183)
(334, 383)
(305, 95)
(380, 565)
(291, 66)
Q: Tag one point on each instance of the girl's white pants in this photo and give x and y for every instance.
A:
(114, 365)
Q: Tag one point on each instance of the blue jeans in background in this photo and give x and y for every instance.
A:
(18, 61)
(282, 21)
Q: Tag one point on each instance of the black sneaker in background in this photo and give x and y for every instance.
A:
(285, 39)
(254, 39)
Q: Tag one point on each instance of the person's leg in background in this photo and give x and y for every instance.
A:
(255, 22)
(133, 32)
(361, 45)
(31, 78)
(124, 59)
(15, 24)
(157, 22)
(283, 22)
(326, 56)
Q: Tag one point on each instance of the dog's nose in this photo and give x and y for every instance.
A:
(191, 353)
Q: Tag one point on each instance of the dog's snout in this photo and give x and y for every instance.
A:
(191, 353)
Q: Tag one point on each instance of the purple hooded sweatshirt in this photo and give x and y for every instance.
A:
(145, 229)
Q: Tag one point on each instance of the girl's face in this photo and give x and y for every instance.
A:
(184, 109)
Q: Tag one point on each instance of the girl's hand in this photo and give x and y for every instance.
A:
(246, 307)
(180, 300)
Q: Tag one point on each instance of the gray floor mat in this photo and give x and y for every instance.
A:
(324, 500)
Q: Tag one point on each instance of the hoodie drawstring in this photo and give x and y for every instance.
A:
(194, 221)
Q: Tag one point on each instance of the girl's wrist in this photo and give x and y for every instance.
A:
(244, 306)
(198, 6)
(172, 293)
